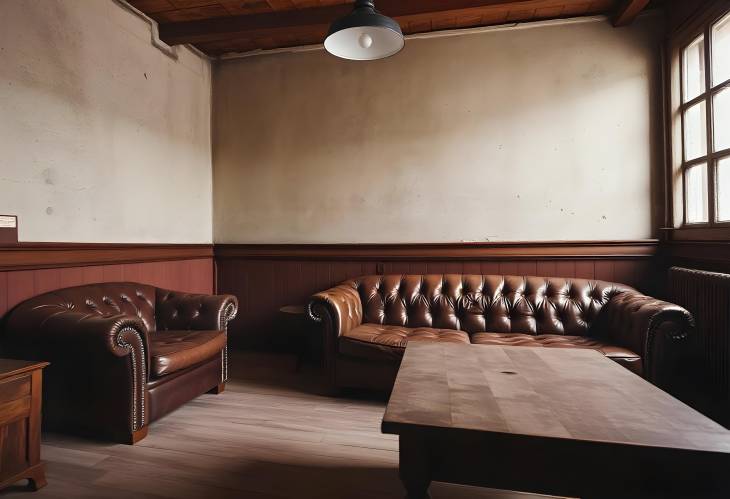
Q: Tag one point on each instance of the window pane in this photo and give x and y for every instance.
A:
(721, 51)
(721, 110)
(723, 190)
(695, 131)
(696, 193)
(693, 69)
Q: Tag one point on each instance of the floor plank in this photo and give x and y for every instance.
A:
(273, 434)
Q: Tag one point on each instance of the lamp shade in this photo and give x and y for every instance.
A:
(364, 35)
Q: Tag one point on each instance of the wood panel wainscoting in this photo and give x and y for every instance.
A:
(29, 269)
(713, 256)
(266, 277)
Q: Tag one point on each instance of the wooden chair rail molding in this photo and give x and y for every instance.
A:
(29, 256)
(543, 250)
(32, 256)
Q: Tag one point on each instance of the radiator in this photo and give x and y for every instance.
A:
(707, 296)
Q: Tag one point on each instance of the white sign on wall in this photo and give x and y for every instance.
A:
(8, 222)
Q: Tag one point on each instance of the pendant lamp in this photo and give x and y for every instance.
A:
(364, 35)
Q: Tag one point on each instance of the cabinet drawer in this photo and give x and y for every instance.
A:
(14, 388)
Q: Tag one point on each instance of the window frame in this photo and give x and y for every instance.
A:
(699, 26)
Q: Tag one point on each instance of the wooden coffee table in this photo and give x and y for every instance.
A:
(566, 422)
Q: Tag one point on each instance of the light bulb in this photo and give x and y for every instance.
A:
(365, 41)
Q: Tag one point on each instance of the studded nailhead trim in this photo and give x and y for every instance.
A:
(228, 314)
(137, 391)
(311, 313)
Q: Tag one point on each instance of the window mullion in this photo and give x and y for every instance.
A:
(682, 134)
(696, 161)
(721, 154)
(684, 195)
(711, 188)
(720, 86)
(696, 100)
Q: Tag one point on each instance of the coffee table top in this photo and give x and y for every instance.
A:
(562, 393)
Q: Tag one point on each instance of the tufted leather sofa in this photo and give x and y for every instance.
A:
(122, 354)
(368, 321)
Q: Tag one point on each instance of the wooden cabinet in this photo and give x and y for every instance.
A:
(20, 422)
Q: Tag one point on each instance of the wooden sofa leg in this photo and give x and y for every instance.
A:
(218, 389)
(138, 435)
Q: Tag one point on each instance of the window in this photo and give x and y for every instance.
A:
(705, 125)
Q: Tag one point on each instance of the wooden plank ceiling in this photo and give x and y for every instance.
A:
(223, 26)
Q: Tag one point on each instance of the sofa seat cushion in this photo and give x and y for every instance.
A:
(171, 351)
(386, 343)
(623, 356)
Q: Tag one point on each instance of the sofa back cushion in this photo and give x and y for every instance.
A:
(491, 303)
(184, 311)
(104, 299)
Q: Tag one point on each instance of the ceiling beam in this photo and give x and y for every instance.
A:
(317, 18)
(244, 26)
(627, 12)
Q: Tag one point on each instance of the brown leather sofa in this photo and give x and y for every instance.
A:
(368, 321)
(122, 354)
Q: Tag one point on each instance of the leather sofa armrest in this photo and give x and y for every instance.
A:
(58, 331)
(183, 311)
(106, 355)
(339, 308)
(655, 329)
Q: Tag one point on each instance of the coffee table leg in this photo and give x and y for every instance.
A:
(415, 466)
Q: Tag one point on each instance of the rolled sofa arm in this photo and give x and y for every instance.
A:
(56, 330)
(653, 328)
(183, 311)
(95, 360)
(340, 308)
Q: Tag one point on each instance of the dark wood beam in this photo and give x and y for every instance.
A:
(627, 12)
(318, 18)
(223, 28)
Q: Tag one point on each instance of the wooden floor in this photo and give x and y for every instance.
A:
(271, 434)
